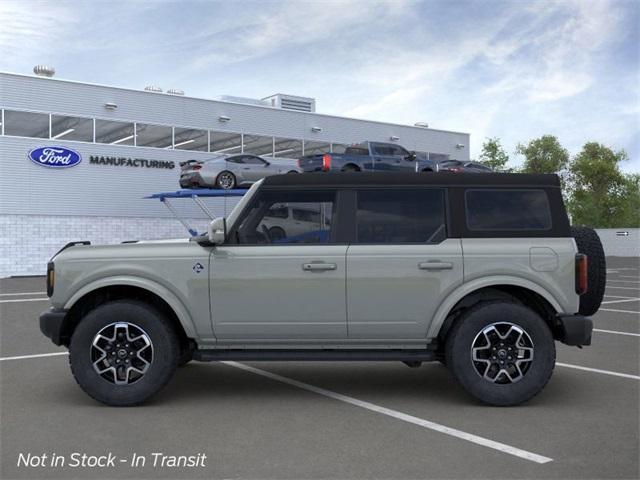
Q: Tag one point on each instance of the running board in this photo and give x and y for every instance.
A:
(316, 355)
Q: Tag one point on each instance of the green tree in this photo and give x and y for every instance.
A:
(601, 195)
(493, 155)
(543, 155)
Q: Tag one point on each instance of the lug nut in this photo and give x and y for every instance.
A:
(117, 361)
(113, 353)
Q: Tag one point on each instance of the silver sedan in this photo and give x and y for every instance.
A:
(230, 171)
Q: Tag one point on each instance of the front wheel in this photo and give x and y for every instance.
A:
(502, 353)
(123, 352)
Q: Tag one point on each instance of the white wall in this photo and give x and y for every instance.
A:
(616, 245)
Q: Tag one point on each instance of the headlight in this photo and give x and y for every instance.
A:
(51, 278)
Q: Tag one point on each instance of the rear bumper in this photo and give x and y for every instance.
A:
(53, 325)
(575, 329)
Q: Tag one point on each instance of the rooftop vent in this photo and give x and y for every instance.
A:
(44, 71)
(153, 88)
(175, 91)
(291, 102)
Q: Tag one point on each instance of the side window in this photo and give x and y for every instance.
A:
(236, 159)
(399, 151)
(267, 220)
(488, 209)
(251, 160)
(401, 216)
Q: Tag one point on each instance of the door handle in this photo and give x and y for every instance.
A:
(435, 265)
(318, 267)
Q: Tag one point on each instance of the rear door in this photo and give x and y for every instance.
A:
(401, 264)
(254, 168)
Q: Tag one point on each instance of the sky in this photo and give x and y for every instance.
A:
(514, 70)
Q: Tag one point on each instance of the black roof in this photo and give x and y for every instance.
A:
(440, 178)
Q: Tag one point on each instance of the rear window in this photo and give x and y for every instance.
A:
(356, 151)
(507, 210)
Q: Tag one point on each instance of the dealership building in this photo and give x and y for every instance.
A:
(127, 144)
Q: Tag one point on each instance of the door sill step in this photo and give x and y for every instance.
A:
(422, 355)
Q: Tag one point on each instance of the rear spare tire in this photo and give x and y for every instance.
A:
(588, 242)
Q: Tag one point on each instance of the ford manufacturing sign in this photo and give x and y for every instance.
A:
(55, 157)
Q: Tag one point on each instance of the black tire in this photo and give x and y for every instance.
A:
(138, 315)
(221, 180)
(589, 243)
(468, 328)
(292, 172)
(350, 169)
(185, 357)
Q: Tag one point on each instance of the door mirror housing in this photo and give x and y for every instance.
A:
(412, 156)
(217, 231)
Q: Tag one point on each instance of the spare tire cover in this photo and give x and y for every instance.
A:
(589, 243)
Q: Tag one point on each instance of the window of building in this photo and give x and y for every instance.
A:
(114, 133)
(268, 220)
(401, 216)
(316, 148)
(225, 142)
(157, 136)
(507, 210)
(258, 145)
(71, 128)
(191, 139)
(287, 148)
(26, 124)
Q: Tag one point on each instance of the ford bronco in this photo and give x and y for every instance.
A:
(480, 272)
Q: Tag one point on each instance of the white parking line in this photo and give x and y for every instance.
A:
(485, 442)
(621, 301)
(616, 332)
(21, 293)
(628, 276)
(16, 300)
(616, 296)
(623, 281)
(39, 355)
(615, 287)
(597, 370)
(617, 311)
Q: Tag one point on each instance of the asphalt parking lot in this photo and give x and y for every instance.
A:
(328, 420)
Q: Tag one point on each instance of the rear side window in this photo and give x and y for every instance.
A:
(356, 151)
(401, 216)
(507, 210)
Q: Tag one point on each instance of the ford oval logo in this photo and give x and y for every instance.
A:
(55, 157)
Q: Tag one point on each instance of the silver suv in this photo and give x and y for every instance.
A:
(479, 272)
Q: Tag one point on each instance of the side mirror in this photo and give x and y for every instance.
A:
(412, 156)
(217, 231)
(266, 164)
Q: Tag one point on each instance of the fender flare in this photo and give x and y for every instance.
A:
(151, 286)
(467, 288)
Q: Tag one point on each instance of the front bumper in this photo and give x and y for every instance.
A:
(53, 324)
(575, 330)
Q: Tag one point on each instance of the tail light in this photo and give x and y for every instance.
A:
(326, 162)
(299, 163)
(582, 267)
(51, 278)
(455, 169)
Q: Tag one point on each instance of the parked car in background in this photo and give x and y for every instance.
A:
(230, 171)
(369, 157)
(461, 166)
(283, 223)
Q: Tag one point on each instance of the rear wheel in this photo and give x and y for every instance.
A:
(350, 169)
(123, 352)
(588, 242)
(502, 353)
(226, 180)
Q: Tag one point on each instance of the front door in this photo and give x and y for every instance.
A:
(401, 265)
(277, 280)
